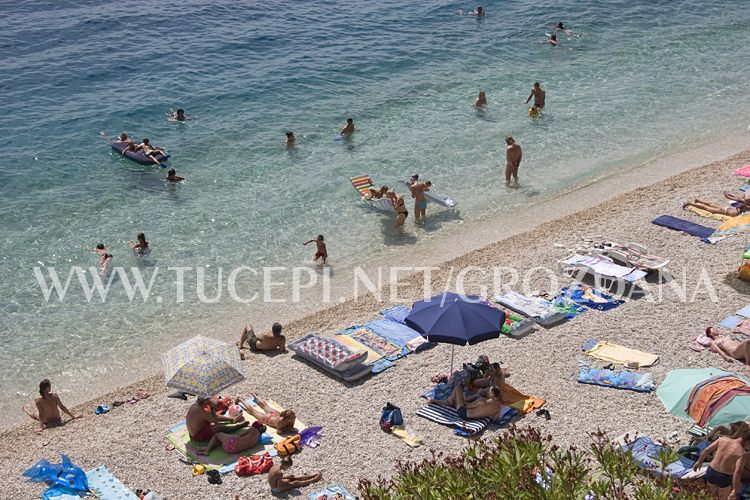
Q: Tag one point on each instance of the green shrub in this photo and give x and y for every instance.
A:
(509, 466)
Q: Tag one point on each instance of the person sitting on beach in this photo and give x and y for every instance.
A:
(279, 420)
(234, 443)
(265, 341)
(713, 208)
(400, 208)
(539, 95)
(728, 451)
(348, 129)
(479, 408)
(281, 482)
(493, 378)
(140, 245)
(290, 139)
(173, 177)
(321, 246)
(179, 116)
(728, 348)
(203, 422)
(48, 406)
(481, 100)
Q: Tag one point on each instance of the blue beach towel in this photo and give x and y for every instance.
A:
(396, 313)
(685, 226)
(576, 294)
(617, 379)
(646, 454)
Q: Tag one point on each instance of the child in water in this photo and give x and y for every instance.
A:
(322, 251)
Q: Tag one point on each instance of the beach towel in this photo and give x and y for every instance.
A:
(106, 486)
(743, 171)
(447, 415)
(333, 492)
(516, 325)
(590, 297)
(706, 213)
(379, 343)
(645, 452)
(616, 379)
(601, 265)
(396, 313)
(601, 349)
(685, 226)
(406, 435)
(348, 340)
(394, 332)
(737, 323)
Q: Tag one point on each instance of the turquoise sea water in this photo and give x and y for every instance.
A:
(641, 79)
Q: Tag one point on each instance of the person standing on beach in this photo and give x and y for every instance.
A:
(348, 129)
(728, 451)
(322, 250)
(538, 94)
(513, 155)
(48, 406)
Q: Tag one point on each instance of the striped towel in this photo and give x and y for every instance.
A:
(447, 415)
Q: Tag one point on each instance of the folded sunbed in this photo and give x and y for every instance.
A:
(601, 267)
(363, 183)
(684, 226)
(531, 307)
(332, 356)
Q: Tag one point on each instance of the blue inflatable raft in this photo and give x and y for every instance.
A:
(138, 156)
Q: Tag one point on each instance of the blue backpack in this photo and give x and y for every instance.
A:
(390, 416)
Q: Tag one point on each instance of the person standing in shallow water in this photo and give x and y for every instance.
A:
(290, 139)
(538, 94)
(513, 155)
(481, 100)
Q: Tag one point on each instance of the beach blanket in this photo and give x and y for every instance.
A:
(590, 297)
(685, 226)
(106, 486)
(743, 171)
(447, 415)
(345, 337)
(737, 323)
(396, 313)
(333, 492)
(645, 452)
(601, 265)
(616, 379)
(179, 437)
(399, 334)
(570, 308)
(601, 349)
(706, 213)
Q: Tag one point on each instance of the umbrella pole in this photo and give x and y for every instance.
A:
(453, 350)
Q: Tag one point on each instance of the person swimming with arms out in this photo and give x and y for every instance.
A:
(173, 177)
(322, 250)
(561, 27)
(179, 116)
(479, 12)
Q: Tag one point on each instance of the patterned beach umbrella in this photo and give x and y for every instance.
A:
(202, 366)
(676, 388)
(732, 226)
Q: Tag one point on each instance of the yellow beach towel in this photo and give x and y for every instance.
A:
(355, 346)
(407, 436)
(707, 214)
(620, 354)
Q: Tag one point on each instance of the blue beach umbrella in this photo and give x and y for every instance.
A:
(202, 366)
(676, 388)
(455, 319)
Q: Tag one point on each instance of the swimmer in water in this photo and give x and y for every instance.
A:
(140, 245)
(561, 27)
(290, 139)
(173, 177)
(481, 101)
(552, 40)
(479, 11)
(539, 95)
(348, 129)
(105, 258)
(179, 116)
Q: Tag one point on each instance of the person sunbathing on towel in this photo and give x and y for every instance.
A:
(281, 482)
(203, 422)
(729, 349)
(716, 209)
(234, 443)
(479, 408)
(265, 341)
(279, 420)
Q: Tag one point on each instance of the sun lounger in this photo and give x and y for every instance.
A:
(684, 226)
(602, 268)
(332, 356)
(363, 183)
(635, 255)
(531, 307)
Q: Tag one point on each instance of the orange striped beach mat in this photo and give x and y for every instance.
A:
(362, 183)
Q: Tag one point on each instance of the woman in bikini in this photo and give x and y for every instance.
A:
(399, 207)
(279, 420)
(716, 209)
(729, 349)
(234, 443)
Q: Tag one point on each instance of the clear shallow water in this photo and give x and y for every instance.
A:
(641, 80)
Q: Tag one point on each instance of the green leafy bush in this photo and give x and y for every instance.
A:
(524, 464)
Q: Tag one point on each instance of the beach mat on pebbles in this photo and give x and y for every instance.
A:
(684, 226)
(106, 486)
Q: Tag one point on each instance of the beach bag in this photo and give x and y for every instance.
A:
(256, 464)
(390, 416)
(743, 272)
(289, 446)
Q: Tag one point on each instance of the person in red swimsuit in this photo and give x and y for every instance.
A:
(322, 250)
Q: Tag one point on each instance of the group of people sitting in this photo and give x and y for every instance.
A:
(479, 396)
(741, 205)
(144, 147)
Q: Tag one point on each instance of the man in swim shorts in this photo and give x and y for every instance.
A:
(538, 94)
(48, 406)
(322, 251)
(202, 421)
(728, 451)
(417, 192)
(513, 155)
(265, 341)
(281, 482)
(488, 407)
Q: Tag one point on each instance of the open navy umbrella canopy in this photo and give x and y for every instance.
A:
(450, 318)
